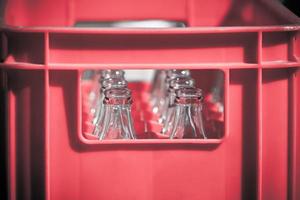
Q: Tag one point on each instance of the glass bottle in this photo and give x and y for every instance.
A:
(117, 123)
(168, 109)
(103, 75)
(170, 75)
(188, 121)
(158, 83)
(106, 84)
(90, 78)
(157, 90)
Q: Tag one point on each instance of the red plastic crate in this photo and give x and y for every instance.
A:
(255, 43)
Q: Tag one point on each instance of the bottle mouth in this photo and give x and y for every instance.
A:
(105, 74)
(114, 83)
(117, 96)
(174, 73)
(181, 82)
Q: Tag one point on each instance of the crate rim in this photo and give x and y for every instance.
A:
(188, 30)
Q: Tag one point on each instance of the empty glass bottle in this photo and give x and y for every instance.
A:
(102, 76)
(117, 123)
(157, 84)
(106, 84)
(91, 77)
(161, 96)
(187, 122)
(168, 109)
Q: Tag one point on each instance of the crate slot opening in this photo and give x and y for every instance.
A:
(25, 47)
(280, 47)
(146, 122)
